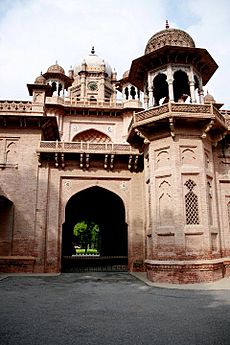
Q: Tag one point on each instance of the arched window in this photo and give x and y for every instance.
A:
(160, 88)
(126, 93)
(133, 92)
(53, 87)
(181, 88)
(59, 89)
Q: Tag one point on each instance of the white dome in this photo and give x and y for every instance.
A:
(93, 64)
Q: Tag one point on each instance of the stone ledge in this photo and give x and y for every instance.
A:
(17, 257)
(187, 271)
(188, 262)
(17, 264)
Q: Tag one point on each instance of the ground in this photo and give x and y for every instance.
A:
(109, 309)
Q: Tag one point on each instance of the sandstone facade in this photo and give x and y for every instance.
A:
(152, 168)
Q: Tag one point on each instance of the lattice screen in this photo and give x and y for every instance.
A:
(191, 204)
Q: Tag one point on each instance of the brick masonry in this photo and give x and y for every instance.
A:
(172, 178)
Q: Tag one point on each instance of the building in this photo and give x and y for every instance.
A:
(151, 170)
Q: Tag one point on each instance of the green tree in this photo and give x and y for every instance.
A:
(87, 233)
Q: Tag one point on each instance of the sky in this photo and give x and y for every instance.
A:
(34, 34)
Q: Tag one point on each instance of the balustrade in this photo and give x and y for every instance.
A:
(61, 146)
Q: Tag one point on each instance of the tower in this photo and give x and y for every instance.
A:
(179, 134)
(93, 81)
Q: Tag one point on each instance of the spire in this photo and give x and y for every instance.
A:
(167, 24)
(92, 51)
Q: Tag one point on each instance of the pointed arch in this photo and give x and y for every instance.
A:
(160, 88)
(180, 86)
(106, 209)
(92, 135)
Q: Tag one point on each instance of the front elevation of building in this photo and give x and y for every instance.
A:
(149, 173)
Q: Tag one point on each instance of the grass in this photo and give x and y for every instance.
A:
(89, 251)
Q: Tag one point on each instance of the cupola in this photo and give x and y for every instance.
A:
(56, 78)
(172, 69)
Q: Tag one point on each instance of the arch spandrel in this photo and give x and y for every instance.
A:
(72, 186)
(92, 135)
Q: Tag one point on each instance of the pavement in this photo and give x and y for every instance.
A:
(102, 308)
(222, 284)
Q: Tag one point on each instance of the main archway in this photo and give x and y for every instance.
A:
(98, 206)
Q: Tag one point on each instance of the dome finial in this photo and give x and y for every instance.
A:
(166, 24)
(93, 51)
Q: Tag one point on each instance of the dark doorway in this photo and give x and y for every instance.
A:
(6, 225)
(106, 209)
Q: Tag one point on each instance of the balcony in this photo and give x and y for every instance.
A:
(73, 103)
(86, 147)
(179, 110)
(174, 115)
(89, 154)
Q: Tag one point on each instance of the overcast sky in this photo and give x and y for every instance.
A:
(36, 33)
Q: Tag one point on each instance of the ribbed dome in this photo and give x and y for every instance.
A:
(56, 69)
(40, 80)
(169, 37)
(94, 64)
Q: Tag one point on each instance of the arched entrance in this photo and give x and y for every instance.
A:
(6, 225)
(87, 249)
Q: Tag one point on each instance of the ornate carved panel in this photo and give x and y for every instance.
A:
(11, 152)
(165, 206)
(162, 159)
(8, 152)
(188, 156)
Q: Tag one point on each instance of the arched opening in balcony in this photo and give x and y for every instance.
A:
(181, 88)
(160, 89)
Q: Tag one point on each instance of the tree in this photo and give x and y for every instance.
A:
(87, 233)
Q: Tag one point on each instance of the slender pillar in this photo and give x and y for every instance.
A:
(170, 82)
(150, 96)
(201, 95)
(192, 90)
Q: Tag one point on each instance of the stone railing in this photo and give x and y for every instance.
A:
(83, 104)
(18, 106)
(90, 147)
(177, 109)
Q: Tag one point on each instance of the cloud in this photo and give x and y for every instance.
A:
(36, 33)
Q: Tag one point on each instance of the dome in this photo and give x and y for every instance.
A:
(125, 74)
(209, 98)
(40, 80)
(55, 69)
(169, 37)
(94, 63)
